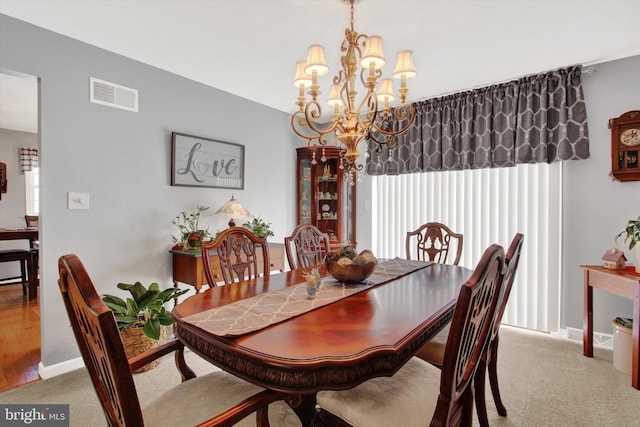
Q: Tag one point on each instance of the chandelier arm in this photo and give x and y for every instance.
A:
(371, 102)
(403, 112)
(300, 120)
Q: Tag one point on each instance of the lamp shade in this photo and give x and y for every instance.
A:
(405, 67)
(386, 91)
(373, 53)
(301, 77)
(232, 209)
(316, 61)
(334, 98)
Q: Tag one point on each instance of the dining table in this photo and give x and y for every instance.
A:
(30, 234)
(268, 331)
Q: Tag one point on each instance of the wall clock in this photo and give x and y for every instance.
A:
(625, 146)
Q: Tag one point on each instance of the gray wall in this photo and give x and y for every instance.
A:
(596, 208)
(122, 159)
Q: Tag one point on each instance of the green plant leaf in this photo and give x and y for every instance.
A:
(147, 298)
(152, 329)
(165, 319)
(132, 307)
(116, 308)
(124, 321)
(112, 299)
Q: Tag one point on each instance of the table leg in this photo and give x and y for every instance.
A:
(587, 327)
(635, 360)
(305, 408)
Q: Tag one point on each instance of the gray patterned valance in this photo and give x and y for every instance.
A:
(536, 119)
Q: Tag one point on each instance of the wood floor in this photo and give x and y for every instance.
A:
(19, 337)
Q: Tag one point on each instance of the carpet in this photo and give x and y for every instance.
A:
(544, 381)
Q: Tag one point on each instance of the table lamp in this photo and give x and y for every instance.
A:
(234, 210)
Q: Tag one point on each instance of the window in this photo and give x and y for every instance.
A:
(487, 206)
(32, 191)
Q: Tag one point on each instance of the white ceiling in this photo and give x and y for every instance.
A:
(249, 47)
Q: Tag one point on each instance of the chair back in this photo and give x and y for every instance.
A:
(512, 261)
(236, 249)
(468, 337)
(32, 220)
(100, 344)
(433, 243)
(306, 247)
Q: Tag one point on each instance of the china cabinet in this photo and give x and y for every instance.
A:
(325, 198)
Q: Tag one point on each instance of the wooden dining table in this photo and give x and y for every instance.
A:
(30, 234)
(368, 334)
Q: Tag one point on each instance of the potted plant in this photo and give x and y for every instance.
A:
(632, 234)
(259, 227)
(190, 235)
(142, 319)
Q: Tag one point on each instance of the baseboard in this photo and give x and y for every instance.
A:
(59, 368)
(599, 339)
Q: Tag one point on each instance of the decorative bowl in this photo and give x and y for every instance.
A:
(351, 273)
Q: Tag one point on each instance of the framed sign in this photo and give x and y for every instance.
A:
(204, 162)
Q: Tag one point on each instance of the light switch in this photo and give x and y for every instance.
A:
(77, 200)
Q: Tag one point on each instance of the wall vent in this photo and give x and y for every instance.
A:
(113, 95)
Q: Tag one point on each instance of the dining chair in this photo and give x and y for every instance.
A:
(237, 251)
(215, 399)
(34, 221)
(25, 258)
(433, 242)
(306, 247)
(433, 351)
(418, 391)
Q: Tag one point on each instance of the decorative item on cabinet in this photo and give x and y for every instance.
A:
(325, 198)
(625, 146)
(190, 235)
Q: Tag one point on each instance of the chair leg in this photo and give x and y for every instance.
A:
(493, 377)
(23, 276)
(32, 282)
(479, 394)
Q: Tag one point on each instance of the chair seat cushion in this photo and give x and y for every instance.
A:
(433, 350)
(195, 401)
(409, 398)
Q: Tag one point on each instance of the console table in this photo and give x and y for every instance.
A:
(618, 282)
(188, 267)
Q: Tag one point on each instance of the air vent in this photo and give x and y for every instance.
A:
(113, 95)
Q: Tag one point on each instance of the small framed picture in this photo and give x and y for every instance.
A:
(204, 162)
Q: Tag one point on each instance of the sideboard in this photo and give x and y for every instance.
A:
(189, 269)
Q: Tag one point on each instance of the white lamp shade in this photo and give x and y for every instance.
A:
(232, 209)
(334, 98)
(373, 53)
(386, 91)
(301, 77)
(405, 67)
(316, 61)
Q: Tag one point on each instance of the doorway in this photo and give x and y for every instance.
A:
(20, 340)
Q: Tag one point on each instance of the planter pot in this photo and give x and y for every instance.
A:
(194, 240)
(637, 258)
(136, 342)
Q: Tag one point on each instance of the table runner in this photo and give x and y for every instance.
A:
(266, 309)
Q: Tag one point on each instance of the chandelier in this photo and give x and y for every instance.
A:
(370, 119)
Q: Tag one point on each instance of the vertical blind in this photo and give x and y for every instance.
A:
(487, 206)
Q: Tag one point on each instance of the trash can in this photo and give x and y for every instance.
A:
(622, 344)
